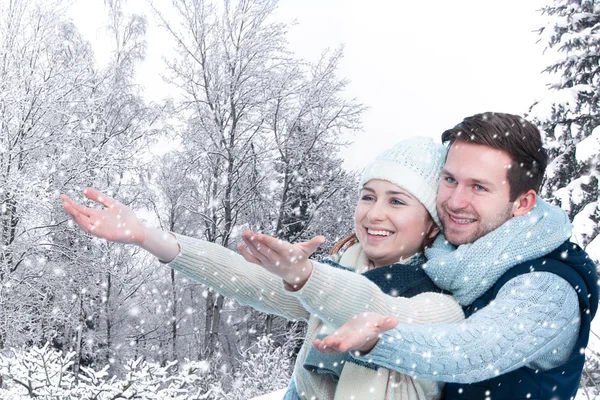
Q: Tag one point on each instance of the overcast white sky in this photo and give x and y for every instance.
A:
(420, 67)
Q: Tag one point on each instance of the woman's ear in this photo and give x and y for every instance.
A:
(430, 234)
(433, 231)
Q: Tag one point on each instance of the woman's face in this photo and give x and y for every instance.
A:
(391, 223)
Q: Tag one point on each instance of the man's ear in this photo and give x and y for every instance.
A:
(524, 203)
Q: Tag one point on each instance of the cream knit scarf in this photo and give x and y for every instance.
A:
(471, 269)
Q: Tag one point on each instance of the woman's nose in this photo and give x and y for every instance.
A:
(377, 212)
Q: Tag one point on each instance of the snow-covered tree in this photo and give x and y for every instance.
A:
(38, 372)
(170, 198)
(265, 368)
(225, 56)
(41, 372)
(43, 75)
(259, 133)
(309, 119)
(66, 124)
(570, 115)
(262, 128)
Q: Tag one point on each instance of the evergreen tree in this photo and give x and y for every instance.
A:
(569, 116)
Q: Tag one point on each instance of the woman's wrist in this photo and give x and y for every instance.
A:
(161, 244)
(300, 278)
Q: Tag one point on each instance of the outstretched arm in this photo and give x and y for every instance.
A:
(337, 295)
(534, 321)
(118, 223)
(213, 265)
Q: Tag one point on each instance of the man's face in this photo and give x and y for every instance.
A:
(474, 193)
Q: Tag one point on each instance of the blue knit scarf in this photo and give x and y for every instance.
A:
(471, 269)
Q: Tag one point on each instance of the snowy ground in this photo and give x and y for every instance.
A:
(278, 395)
(581, 395)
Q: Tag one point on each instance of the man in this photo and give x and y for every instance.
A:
(528, 321)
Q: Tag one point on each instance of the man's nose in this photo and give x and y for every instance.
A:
(459, 199)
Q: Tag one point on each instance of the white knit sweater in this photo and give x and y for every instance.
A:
(330, 295)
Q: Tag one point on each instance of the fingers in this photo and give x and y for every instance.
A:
(73, 210)
(388, 323)
(98, 197)
(344, 344)
(321, 348)
(276, 249)
(91, 194)
(86, 218)
(274, 243)
(334, 344)
(67, 202)
(279, 256)
(361, 333)
(339, 342)
(318, 240)
(247, 255)
(258, 249)
(80, 219)
(312, 245)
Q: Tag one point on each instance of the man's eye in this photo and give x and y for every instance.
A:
(479, 188)
(451, 180)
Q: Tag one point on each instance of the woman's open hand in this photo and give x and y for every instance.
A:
(115, 222)
(360, 334)
(288, 261)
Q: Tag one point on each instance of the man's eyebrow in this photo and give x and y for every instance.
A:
(483, 182)
(477, 181)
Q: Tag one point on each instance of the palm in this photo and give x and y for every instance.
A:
(361, 334)
(288, 261)
(116, 222)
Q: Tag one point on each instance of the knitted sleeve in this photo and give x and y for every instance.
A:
(336, 295)
(534, 322)
(233, 277)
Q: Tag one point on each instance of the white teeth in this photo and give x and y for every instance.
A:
(378, 233)
(462, 221)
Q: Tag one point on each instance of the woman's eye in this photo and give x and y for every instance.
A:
(397, 202)
(367, 198)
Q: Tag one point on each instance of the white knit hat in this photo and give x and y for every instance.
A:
(415, 165)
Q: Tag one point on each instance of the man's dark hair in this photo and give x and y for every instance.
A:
(518, 138)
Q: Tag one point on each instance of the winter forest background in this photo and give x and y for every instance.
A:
(250, 141)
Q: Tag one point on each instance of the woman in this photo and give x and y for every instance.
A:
(394, 220)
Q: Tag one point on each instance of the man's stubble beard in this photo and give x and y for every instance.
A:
(483, 228)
